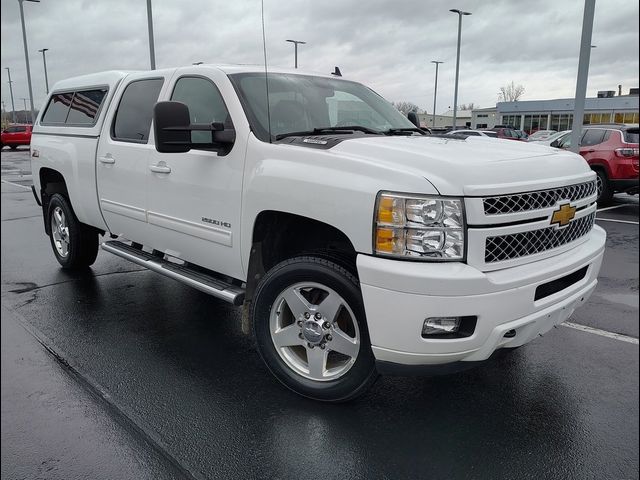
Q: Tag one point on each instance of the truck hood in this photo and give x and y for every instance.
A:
(474, 166)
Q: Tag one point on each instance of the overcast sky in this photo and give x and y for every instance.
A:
(385, 44)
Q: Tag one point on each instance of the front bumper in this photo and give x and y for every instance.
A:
(399, 295)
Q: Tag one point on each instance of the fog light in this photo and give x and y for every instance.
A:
(440, 325)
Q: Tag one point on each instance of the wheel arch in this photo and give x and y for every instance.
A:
(278, 235)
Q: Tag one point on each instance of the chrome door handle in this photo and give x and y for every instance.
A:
(108, 159)
(160, 169)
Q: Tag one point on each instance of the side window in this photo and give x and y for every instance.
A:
(135, 111)
(593, 136)
(84, 107)
(205, 104)
(58, 108)
(21, 129)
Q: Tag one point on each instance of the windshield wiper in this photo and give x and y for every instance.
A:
(342, 130)
(404, 130)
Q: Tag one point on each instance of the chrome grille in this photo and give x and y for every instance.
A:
(522, 202)
(516, 245)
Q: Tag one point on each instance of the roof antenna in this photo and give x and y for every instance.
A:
(266, 78)
(336, 72)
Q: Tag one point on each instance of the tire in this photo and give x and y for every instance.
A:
(74, 244)
(326, 357)
(605, 196)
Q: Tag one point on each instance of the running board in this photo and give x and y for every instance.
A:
(196, 279)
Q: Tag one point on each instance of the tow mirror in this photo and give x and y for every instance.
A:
(171, 122)
(413, 118)
(173, 127)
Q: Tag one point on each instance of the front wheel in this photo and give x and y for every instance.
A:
(74, 244)
(605, 192)
(310, 329)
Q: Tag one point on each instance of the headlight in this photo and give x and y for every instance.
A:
(421, 227)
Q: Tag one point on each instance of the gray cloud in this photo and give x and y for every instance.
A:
(387, 45)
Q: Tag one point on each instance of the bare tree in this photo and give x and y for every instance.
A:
(467, 106)
(406, 107)
(510, 92)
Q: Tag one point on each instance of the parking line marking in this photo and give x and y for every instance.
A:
(617, 221)
(602, 333)
(16, 184)
(616, 206)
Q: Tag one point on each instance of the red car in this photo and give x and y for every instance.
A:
(509, 133)
(612, 152)
(15, 135)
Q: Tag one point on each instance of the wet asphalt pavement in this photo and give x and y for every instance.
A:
(123, 373)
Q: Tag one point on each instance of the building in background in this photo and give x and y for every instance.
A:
(532, 115)
(485, 118)
(443, 120)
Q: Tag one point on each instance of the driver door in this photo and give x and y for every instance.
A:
(193, 198)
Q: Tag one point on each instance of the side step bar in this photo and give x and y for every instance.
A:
(196, 279)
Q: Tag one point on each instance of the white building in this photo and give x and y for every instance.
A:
(463, 119)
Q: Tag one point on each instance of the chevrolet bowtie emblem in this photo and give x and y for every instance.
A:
(563, 216)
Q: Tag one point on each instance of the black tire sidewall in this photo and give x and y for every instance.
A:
(606, 195)
(81, 245)
(309, 269)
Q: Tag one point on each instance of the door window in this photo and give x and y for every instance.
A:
(593, 136)
(205, 104)
(135, 111)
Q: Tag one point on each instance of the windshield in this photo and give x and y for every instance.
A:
(301, 103)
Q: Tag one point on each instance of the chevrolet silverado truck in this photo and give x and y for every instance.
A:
(357, 244)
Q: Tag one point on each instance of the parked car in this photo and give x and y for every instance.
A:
(612, 152)
(550, 139)
(474, 133)
(507, 133)
(522, 135)
(356, 243)
(15, 135)
(540, 135)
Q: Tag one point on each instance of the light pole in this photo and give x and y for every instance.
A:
(435, 92)
(583, 74)
(44, 61)
(152, 48)
(24, 100)
(26, 56)
(13, 106)
(455, 91)
(295, 49)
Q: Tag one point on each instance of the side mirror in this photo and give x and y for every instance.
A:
(555, 143)
(413, 118)
(171, 121)
(173, 127)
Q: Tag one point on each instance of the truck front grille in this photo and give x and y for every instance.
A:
(522, 202)
(516, 245)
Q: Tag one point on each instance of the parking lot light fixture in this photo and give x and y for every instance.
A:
(455, 91)
(44, 61)
(295, 50)
(435, 92)
(26, 55)
(13, 106)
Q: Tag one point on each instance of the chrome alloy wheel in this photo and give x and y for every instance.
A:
(314, 331)
(60, 232)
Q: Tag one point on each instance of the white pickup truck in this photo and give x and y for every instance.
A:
(357, 244)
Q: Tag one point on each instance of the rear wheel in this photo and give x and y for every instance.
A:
(75, 245)
(310, 329)
(605, 192)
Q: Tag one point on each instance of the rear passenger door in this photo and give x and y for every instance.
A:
(592, 145)
(123, 153)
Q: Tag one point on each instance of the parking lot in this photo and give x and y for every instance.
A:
(122, 373)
